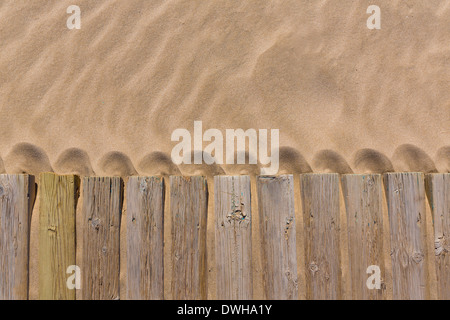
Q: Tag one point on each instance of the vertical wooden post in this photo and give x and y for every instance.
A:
(438, 189)
(102, 205)
(16, 201)
(57, 207)
(233, 237)
(405, 195)
(320, 202)
(189, 209)
(277, 220)
(145, 238)
(363, 204)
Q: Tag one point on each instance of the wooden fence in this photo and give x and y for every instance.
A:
(320, 236)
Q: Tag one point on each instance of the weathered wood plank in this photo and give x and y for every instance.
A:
(320, 203)
(405, 196)
(438, 189)
(145, 238)
(233, 237)
(16, 200)
(363, 204)
(57, 207)
(102, 205)
(277, 221)
(189, 208)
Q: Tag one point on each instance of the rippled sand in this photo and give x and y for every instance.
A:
(105, 99)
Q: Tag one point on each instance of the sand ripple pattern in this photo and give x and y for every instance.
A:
(105, 99)
(31, 159)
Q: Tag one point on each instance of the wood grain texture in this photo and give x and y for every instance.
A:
(438, 189)
(320, 203)
(145, 238)
(405, 196)
(189, 209)
(102, 206)
(277, 225)
(16, 201)
(57, 208)
(363, 204)
(233, 237)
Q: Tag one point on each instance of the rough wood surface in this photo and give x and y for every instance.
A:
(439, 194)
(363, 204)
(188, 208)
(233, 237)
(145, 238)
(57, 207)
(405, 196)
(277, 221)
(320, 203)
(102, 205)
(16, 200)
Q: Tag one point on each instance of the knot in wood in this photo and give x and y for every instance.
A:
(404, 258)
(236, 215)
(313, 267)
(96, 223)
(143, 186)
(417, 257)
(440, 246)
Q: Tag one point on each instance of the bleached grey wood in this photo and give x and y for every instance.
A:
(17, 194)
(233, 221)
(277, 221)
(320, 203)
(188, 210)
(363, 204)
(102, 206)
(439, 194)
(405, 195)
(145, 238)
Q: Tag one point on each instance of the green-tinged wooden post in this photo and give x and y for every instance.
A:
(57, 207)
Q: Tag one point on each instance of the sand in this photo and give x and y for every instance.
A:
(343, 97)
(105, 99)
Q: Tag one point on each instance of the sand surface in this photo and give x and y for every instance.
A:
(105, 99)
